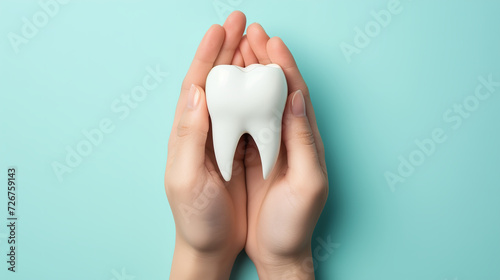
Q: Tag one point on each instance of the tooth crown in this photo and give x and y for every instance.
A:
(246, 100)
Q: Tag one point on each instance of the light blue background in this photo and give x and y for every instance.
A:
(110, 217)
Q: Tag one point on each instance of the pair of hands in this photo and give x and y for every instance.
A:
(273, 219)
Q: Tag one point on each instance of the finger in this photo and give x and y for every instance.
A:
(258, 38)
(234, 28)
(205, 56)
(200, 67)
(298, 137)
(246, 51)
(238, 59)
(191, 131)
(281, 55)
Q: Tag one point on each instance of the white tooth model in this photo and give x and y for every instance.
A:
(246, 100)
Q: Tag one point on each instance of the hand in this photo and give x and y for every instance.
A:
(283, 210)
(209, 214)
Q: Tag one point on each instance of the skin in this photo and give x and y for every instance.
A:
(210, 229)
(271, 219)
(283, 210)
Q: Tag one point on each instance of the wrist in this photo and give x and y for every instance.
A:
(294, 267)
(189, 263)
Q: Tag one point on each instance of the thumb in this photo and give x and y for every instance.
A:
(299, 139)
(192, 131)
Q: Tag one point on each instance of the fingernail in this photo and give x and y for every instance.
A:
(298, 104)
(193, 97)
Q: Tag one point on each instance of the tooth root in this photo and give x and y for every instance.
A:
(225, 140)
(268, 143)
